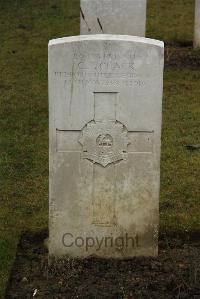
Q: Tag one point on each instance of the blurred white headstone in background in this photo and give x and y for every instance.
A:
(126, 17)
(197, 25)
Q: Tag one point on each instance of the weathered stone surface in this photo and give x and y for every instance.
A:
(105, 97)
(197, 25)
(113, 17)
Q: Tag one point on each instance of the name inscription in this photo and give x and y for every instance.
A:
(102, 69)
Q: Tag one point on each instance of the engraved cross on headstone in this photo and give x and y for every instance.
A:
(105, 142)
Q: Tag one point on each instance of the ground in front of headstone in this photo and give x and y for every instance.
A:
(175, 273)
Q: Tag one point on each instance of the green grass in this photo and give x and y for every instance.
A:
(180, 203)
(171, 20)
(25, 28)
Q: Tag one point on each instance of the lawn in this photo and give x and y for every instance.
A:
(26, 26)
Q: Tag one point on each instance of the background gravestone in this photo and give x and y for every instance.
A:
(113, 17)
(197, 24)
(105, 97)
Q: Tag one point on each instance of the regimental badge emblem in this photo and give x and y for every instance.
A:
(104, 142)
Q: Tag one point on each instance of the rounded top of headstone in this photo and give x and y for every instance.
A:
(107, 37)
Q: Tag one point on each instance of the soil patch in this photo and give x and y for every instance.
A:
(175, 273)
(181, 55)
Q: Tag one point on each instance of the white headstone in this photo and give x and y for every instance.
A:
(105, 97)
(113, 17)
(197, 25)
